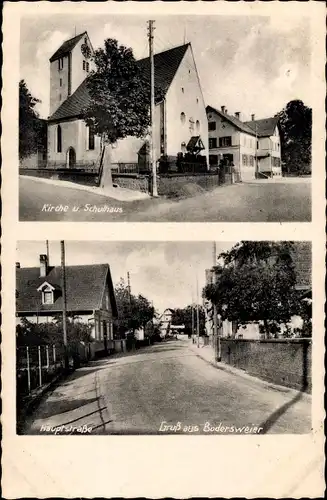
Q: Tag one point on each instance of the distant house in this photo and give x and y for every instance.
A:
(165, 322)
(180, 118)
(90, 297)
(252, 147)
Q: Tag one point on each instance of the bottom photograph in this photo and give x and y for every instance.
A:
(179, 338)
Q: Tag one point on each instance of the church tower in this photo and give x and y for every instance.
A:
(69, 66)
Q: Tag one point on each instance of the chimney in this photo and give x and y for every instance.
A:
(253, 117)
(17, 265)
(238, 115)
(43, 265)
(223, 109)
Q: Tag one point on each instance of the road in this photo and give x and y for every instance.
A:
(287, 200)
(168, 389)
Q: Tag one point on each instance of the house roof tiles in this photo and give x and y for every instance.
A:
(233, 120)
(166, 65)
(264, 127)
(84, 288)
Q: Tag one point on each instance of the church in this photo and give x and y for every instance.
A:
(180, 118)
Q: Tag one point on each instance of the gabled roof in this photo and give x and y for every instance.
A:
(264, 127)
(233, 120)
(73, 106)
(84, 288)
(166, 65)
(195, 143)
(66, 47)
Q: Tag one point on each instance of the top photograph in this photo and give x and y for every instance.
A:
(127, 118)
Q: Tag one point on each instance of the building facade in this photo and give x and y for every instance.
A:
(90, 297)
(180, 123)
(252, 147)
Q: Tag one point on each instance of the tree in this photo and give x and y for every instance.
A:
(256, 283)
(133, 311)
(184, 317)
(30, 125)
(28, 333)
(120, 94)
(295, 122)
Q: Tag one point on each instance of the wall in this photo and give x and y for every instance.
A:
(225, 129)
(170, 183)
(190, 101)
(248, 147)
(126, 150)
(283, 362)
(135, 182)
(74, 134)
(86, 179)
(58, 94)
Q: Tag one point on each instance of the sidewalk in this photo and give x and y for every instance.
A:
(116, 193)
(207, 354)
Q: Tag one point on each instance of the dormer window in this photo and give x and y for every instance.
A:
(47, 291)
(47, 297)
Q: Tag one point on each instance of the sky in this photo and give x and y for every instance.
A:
(164, 272)
(252, 64)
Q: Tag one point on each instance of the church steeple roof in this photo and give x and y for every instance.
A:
(67, 47)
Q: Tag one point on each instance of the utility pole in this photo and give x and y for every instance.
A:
(197, 312)
(64, 303)
(216, 330)
(152, 108)
(129, 287)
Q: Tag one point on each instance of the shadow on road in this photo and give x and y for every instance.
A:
(62, 405)
(276, 415)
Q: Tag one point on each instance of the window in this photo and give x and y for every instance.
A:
(251, 158)
(85, 40)
(245, 160)
(60, 82)
(191, 126)
(197, 125)
(87, 67)
(84, 65)
(47, 297)
(59, 139)
(90, 138)
(213, 160)
(197, 100)
(183, 118)
(212, 142)
(212, 125)
(59, 97)
(182, 90)
(225, 141)
(60, 64)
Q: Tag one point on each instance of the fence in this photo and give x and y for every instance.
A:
(130, 168)
(37, 366)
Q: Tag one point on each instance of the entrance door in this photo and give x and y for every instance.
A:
(71, 158)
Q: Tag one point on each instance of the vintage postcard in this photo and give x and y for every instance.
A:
(122, 118)
(182, 356)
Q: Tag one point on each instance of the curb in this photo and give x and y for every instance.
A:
(236, 371)
(95, 190)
